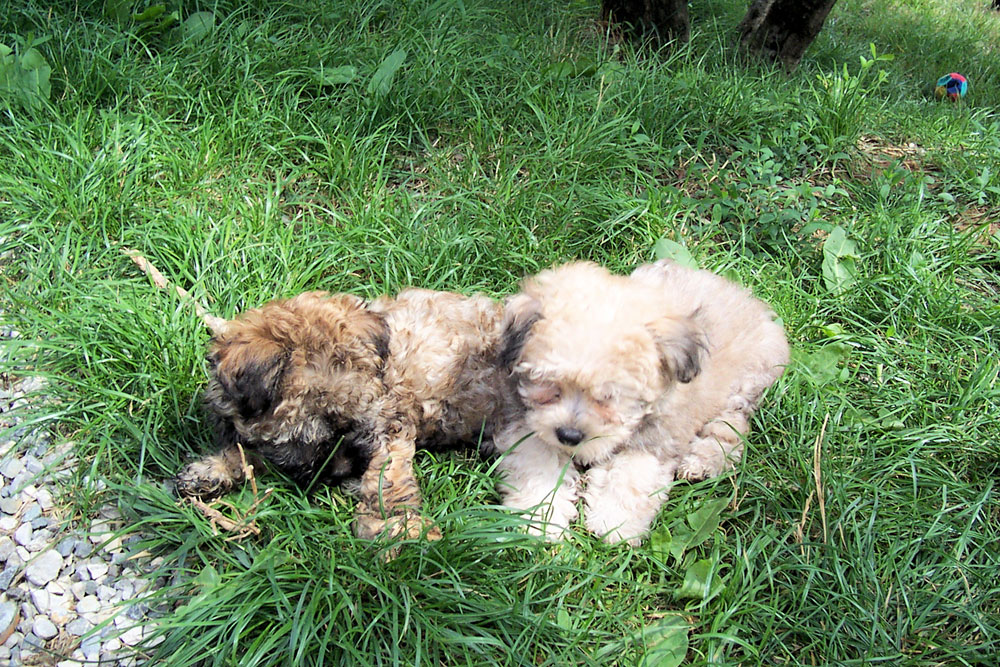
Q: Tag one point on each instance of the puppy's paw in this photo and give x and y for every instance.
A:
(404, 523)
(549, 520)
(614, 527)
(693, 467)
(207, 478)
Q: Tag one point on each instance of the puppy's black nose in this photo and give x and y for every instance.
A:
(569, 436)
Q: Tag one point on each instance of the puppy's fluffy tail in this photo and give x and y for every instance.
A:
(216, 325)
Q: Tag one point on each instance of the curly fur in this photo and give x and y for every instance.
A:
(635, 379)
(333, 388)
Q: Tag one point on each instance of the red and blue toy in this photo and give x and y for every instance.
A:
(952, 86)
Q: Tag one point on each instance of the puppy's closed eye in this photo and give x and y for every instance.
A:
(542, 394)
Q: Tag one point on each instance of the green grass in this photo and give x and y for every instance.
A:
(512, 137)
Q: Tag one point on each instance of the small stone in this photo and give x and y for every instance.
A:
(32, 512)
(132, 636)
(10, 505)
(44, 568)
(23, 534)
(69, 663)
(78, 627)
(59, 609)
(20, 593)
(126, 587)
(8, 523)
(7, 576)
(58, 587)
(41, 522)
(88, 605)
(112, 645)
(6, 548)
(78, 589)
(91, 647)
(137, 611)
(23, 553)
(97, 570)
(43, 627)
(105, 593)
(44, 499)
(90, 587)
(30, 491)
(100, 531)
(65, 546)
(12, 468)
(82, 549)
(82, 573)
(40, 598)
(114, 570)
(14, 640)
(8, 617)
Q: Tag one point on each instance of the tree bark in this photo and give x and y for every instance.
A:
(782, 30)
(663, 20)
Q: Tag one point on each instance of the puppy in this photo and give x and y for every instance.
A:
(331, 388)
(638, 380)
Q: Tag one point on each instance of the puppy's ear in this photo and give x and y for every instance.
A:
(249, 372)
(681, 345)
(521, 311)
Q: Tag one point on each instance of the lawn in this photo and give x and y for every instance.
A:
(267, 148)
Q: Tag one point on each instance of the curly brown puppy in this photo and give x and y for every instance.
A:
(636, 380)
(330, 387)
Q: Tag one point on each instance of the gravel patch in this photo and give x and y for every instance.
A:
(68, 590)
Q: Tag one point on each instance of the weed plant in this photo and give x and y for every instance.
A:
(369, 145)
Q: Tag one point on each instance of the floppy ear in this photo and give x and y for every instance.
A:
(681, 345)
(249, 372)
(520, 314)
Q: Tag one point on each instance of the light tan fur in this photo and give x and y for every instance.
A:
(635, 379)
(330, 386)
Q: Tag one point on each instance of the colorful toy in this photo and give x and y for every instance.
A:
(952, 86)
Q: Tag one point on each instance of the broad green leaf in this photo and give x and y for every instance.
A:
(197, 26)
(151, 13)
(660, 541)
(32, 59)
(381, 81)
(335, 76)
(701, 581)
(682, 536)
(823, 365)
(666, 642)
(669, 249)
(705, 520)
(840, 261)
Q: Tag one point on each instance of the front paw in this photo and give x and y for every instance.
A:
(205, 479)
(549, 520)
(405, 522)
(614, 527)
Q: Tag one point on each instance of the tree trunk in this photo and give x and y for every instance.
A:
(663, 20)
(782, 30)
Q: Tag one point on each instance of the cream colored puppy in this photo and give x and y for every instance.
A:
(636, 380)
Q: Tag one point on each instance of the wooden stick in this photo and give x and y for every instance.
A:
(216, 325)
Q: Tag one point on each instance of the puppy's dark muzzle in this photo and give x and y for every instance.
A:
(569, 436)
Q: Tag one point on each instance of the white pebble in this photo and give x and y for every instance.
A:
(133, 635)
(97, 570)
(12, 468)
(44, 568)
(88, 605)
(8, 523)
(23, 534)
(44, 500)
(43, 627)
(40, 598)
